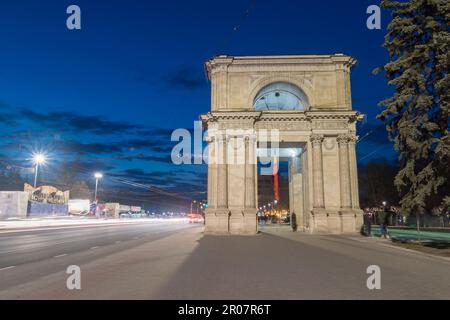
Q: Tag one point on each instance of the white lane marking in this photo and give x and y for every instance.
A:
(96, 247)
(10, 267)
(118, 241)
(60, 255)
(135, 238)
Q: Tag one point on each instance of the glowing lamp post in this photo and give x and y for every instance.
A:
(97, 176)
(38, 159)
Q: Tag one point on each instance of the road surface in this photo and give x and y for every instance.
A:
(176, 261)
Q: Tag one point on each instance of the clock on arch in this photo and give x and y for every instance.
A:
(280, 96)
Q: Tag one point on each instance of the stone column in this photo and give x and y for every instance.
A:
(353, 171)
(217, 215)
(296, 190)
(291, 185)
(316, 141)
(212, 173)
(344, 171)
(250, 162)
(250, 222)
(222, 174)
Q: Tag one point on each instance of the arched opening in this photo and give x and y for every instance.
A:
(281, 186)
(280, 96)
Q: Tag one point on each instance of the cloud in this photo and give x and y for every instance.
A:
(7, 116)
(155, 158)
(79, 166)
(179, 181)
(156, 132)
(51, 127)
(84, 143)
(138, 175)
(186, 78)
(156, 145)
(86, 148)
(69, 121)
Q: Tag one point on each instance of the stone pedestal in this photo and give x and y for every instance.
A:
(336, 222)
(319, 221)
(243, 222)
(217, 221)
(351, 221)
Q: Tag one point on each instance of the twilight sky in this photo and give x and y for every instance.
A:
(108, 96)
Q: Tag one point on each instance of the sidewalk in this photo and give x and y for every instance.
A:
(426, 248)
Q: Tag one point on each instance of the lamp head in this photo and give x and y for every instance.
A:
(39, 158)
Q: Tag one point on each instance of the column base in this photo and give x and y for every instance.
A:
(217, 221)
(336, 222)
(351, 220)
(243, 222)
(231, 222)
(319, 221)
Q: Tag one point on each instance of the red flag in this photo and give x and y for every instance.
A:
(276, 193)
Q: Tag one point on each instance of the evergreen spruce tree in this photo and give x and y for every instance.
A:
(417, 114)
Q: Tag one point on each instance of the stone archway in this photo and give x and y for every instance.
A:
(326, 169)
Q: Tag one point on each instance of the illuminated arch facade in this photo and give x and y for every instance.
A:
(302, 105)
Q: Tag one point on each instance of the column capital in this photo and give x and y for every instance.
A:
(222, 137)
(343, 139)
(317, 139)
(250, 137)
(352, 139)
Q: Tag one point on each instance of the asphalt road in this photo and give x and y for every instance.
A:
(29, 255)
(176, 261)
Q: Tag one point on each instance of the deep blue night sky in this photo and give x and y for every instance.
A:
(110, 94)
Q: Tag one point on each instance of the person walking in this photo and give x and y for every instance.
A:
(294, 222)
(383, 220)
(368, 223)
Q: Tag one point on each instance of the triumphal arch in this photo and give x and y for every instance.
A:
(294, 108)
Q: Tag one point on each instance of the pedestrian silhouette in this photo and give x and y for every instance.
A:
(294, 221)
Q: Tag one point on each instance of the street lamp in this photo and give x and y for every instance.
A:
(193, 201)
(97, 176)
(38, 159)
(275, 208)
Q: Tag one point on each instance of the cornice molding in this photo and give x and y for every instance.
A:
(226, 115)
(222, 62)
(351, 116)
(306, 116)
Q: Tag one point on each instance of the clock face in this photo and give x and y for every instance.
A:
(280, 96)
